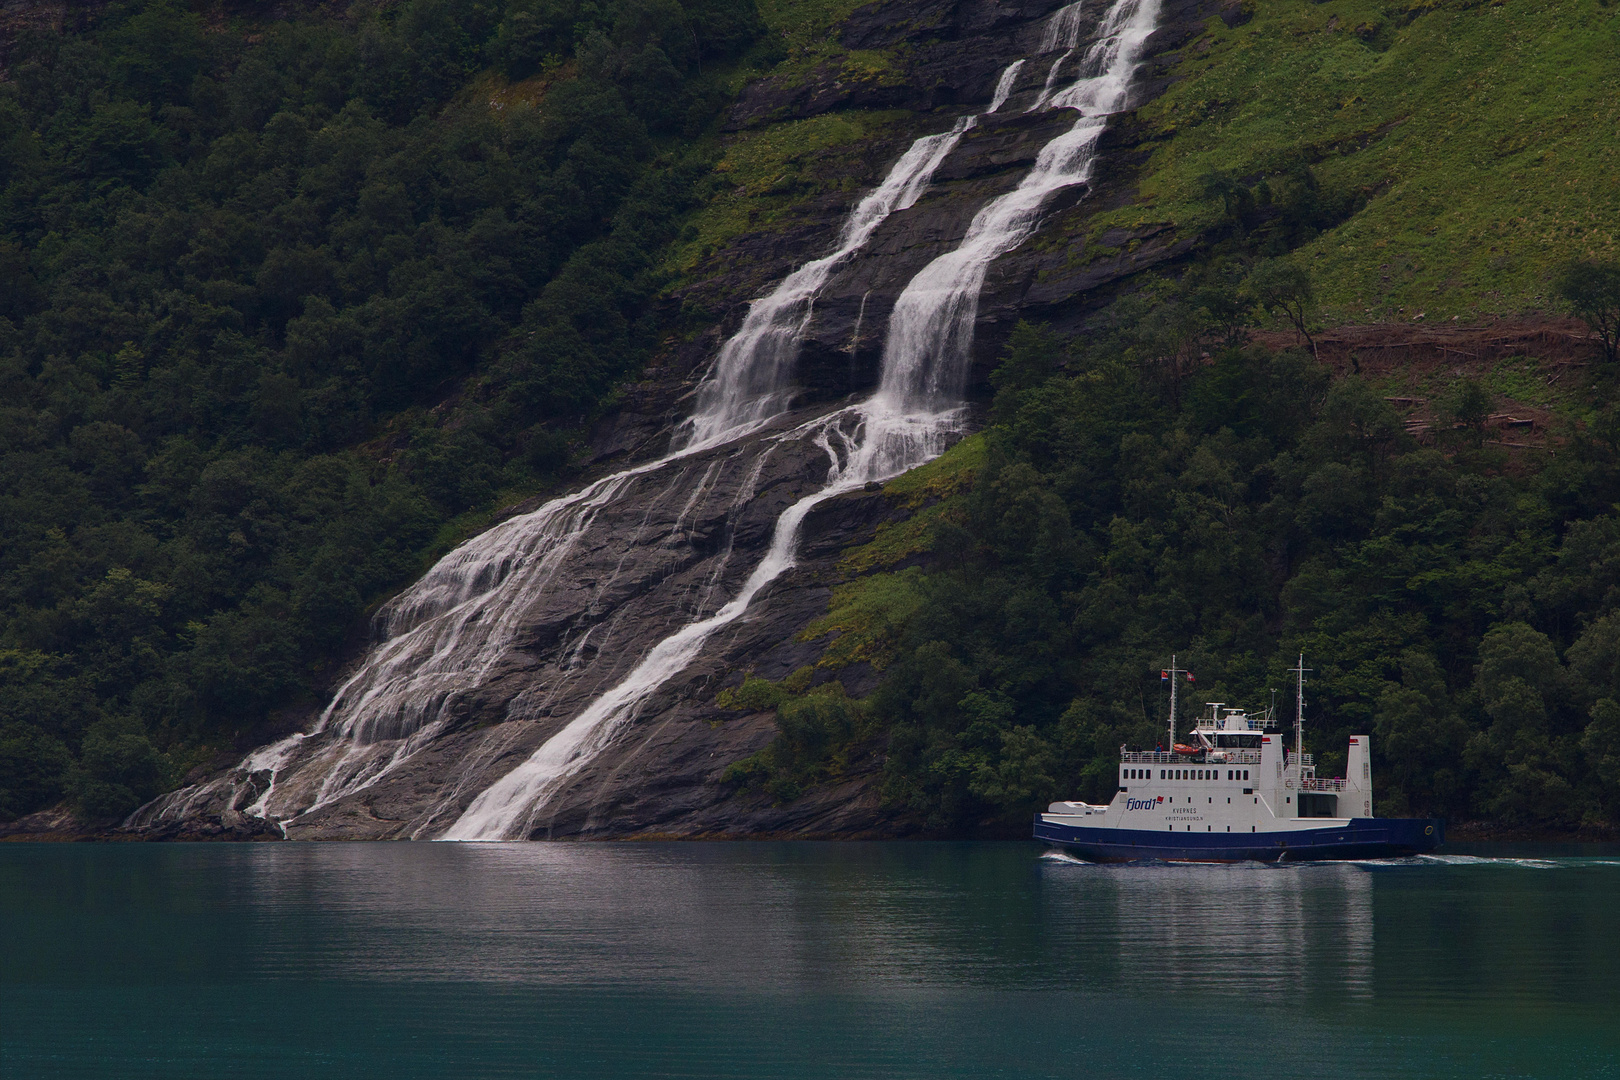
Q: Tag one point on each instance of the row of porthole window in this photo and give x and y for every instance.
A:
(1184, 774)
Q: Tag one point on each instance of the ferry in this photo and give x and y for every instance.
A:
(1236, 793)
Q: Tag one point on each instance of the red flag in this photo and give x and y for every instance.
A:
(1190, 678)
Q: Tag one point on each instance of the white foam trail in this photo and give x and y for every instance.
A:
(1484, 860)
(907, 422)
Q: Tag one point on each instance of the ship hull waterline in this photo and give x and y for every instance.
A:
(1360, 838)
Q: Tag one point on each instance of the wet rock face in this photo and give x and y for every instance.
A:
(679, 541)
(673, 548)
(957, 53)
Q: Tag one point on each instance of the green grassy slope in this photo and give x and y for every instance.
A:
(1483, 135)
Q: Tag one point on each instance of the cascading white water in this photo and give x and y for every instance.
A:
(751, 377)
(1062, 32)
(443, 635)
(904, 424)
(931, 329)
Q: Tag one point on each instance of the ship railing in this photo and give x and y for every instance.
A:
(1313, 784)
(1153, 757)
(1161, 757)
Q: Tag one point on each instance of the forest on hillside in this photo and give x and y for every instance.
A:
(286, 306)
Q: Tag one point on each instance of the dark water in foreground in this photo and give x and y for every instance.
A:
(798, 960)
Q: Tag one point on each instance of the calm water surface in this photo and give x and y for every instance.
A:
(799, 960)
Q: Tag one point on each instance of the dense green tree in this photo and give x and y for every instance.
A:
(1592, 291)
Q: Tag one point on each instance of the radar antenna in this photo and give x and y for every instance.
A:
(1299, 709)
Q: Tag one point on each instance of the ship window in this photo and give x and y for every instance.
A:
(1245, 774)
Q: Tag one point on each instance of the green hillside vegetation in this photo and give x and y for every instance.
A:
(1472, 144)
(287, 307)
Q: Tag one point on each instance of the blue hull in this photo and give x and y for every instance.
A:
(1362, 838)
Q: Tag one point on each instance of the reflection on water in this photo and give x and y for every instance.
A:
(794, 960)
(785, 919)
(1279, 933)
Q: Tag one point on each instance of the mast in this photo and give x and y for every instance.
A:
(1299, 711)
(1170, 746)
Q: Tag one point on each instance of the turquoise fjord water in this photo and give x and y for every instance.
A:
(798, 960)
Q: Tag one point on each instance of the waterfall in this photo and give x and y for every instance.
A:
(907, 422)
(1062, 32)
(751, 378)
(443, 636)
(931, 329)
(450, 634)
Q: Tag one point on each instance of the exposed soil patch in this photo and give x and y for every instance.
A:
(1534, 366)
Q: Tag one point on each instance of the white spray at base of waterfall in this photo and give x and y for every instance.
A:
(907, 422)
